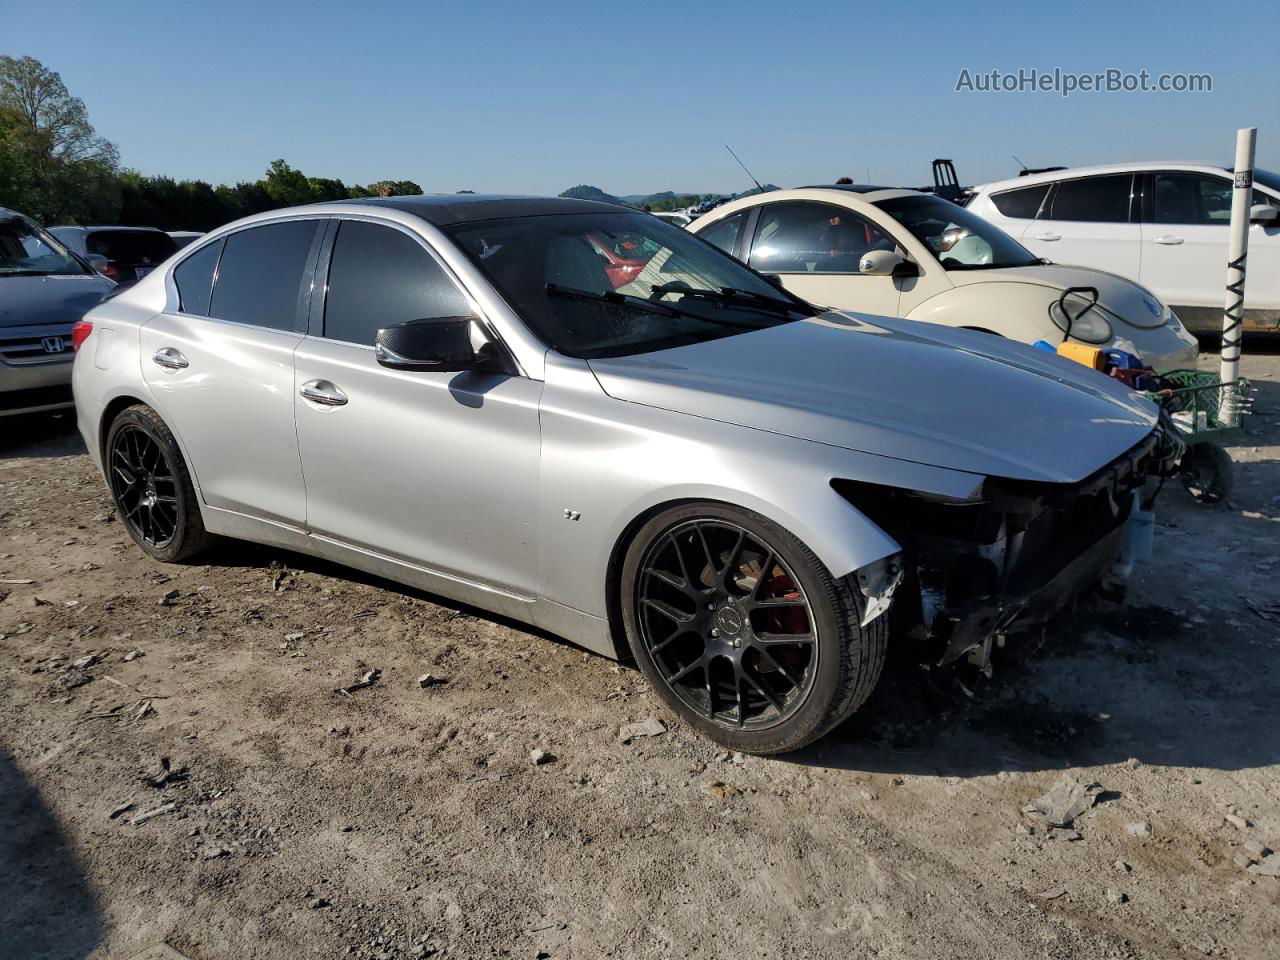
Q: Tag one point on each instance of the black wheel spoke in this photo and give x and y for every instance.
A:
(667, 610)
(780, 639)
(685, 671)
(712, 655)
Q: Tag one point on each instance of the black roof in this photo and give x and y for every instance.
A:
(450, 208)
(851, 187)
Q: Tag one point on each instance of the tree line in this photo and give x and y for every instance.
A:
(56, 169)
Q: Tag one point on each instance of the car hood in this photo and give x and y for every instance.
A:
(897, 388)
(1121, 297)
(33, 301)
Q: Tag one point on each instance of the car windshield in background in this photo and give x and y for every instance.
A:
(131, 246)
(615, 284)
(959, 239)
(25, 251)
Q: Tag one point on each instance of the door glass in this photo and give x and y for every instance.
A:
(380, 277)
(194, 279)
(260, 274)
(1021, 204)
(725, 233)
(1093, 199)
(1194, 198)
(813, 238)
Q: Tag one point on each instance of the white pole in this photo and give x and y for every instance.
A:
(1237, 252)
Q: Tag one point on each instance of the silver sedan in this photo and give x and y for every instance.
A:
(573, 414)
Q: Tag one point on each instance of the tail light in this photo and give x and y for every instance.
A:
(111, 272)
(80, 333)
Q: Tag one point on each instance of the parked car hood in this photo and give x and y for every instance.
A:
(32, 301)
(1120, 296)
(897, 388)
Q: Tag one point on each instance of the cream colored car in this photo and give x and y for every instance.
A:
(901, 253)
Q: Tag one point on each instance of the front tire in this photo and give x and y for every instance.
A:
(743, 632)
(151, 486)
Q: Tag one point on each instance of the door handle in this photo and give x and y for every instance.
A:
(1047, 236)
(1168, 240)
(323, 392)
(170, 359)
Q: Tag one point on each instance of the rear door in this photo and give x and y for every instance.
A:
(220, 365)
(1090, 222)
(1185, 232)
(815, 249)
(437, 469)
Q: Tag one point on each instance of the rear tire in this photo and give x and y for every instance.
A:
(743, 632)
(151, 486)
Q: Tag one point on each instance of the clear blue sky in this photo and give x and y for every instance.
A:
(636, 96)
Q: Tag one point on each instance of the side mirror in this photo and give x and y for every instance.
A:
(440, 343)
(97, 261)
(773, 280)
(1264, 213)
(886, 263)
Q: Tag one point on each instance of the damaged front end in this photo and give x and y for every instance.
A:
(1007, 559)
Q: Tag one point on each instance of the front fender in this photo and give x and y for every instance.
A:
(607, 463)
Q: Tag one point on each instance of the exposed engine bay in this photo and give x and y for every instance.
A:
(1007, 560)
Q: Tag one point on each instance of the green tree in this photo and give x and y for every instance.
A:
(56, 167)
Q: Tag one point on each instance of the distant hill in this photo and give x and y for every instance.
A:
(666, 200)
(585, 192)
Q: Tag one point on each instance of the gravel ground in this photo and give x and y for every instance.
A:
(402, 821)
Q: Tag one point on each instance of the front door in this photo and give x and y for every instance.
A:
(437, 469)
(1185, 236)
(220, 366)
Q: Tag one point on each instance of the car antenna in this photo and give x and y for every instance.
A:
(1021, 166)
(744, 167)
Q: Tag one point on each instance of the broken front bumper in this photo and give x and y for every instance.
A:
(1012, 557)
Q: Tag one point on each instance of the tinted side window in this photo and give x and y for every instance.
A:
(813, 238)
(379, 277)
(1094, 199)
(194, 279)
(1190, 198)
(260, 274)
(1022, 204)
(725, 233)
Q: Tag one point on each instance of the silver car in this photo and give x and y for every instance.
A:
(44, 290)
(578, 416)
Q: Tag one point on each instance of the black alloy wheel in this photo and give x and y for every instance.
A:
(727, 624)
(151, 486)
(742, 631)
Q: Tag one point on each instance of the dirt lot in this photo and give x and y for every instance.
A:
(408, 822)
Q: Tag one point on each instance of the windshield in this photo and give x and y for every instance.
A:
(616, 284)
(26, 250)
(959, 239)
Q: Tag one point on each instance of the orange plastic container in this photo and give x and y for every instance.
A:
(1091, 357)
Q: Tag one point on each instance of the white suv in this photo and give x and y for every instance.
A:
(1161, 224)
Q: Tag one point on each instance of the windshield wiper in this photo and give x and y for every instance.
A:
(556, 290)
(727, 295)
(645, 306)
